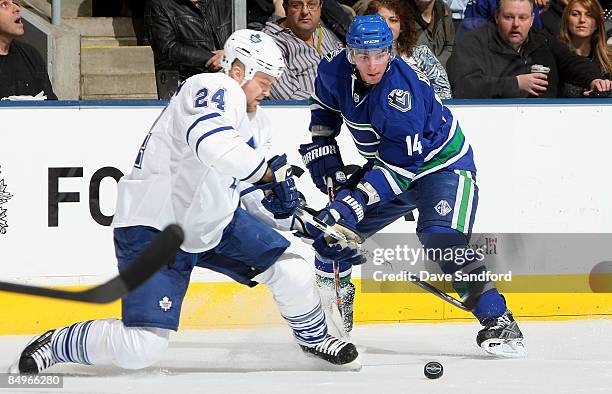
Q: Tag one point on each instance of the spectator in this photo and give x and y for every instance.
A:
(434, 25)
(23, 71)
(495, 62)
(303, 40)
(582, 29)
(336, 16)
(481, 12)
(405, 36)
(187, 38)
(360, 6)
(259, 12)
(551, 17)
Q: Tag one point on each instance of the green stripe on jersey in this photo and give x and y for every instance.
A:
(452, 149)
(465, 200)
(401, 181)
(359, 126)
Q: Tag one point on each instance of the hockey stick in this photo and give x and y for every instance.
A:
(159, 252)
(470, 301)
(331, 194)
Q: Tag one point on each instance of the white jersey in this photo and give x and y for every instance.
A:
(191, 162)
(260, 138)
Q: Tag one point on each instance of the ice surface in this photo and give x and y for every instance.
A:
(564, 357)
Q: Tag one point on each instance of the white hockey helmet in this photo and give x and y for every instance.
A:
(256, 50)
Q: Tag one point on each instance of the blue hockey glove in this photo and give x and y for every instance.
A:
(343, 215)
(329, 248)
(349, 206)
(322, 158)
(284, 196)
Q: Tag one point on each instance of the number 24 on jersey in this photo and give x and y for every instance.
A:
(217, 99)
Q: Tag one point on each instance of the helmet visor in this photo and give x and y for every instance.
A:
(370, 56)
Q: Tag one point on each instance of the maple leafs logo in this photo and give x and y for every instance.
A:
(4, 197)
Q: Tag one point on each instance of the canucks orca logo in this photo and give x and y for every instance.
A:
(255, 38)
(400, 99)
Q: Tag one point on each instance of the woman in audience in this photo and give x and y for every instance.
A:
(582, 29)
(405, 36)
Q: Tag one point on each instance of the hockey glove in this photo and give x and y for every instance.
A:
(343, 215)
(322, 158)
(333, 249)
(349, 206)
(284, 197)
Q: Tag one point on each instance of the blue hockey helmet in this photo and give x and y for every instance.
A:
(369, 32)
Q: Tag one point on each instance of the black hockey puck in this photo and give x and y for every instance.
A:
(433, 370)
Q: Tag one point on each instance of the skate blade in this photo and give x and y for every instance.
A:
(507, 348)
(353, 366)
(14, 367)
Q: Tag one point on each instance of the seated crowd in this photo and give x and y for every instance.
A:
(466, 49)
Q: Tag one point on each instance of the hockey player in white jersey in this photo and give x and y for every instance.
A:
(189, 170)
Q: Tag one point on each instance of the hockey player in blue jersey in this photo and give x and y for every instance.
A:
(418, 157)
(191, 170)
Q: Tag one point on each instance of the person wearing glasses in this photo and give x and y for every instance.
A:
(304, 41)
(23, 72)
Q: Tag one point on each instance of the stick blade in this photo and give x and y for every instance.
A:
(159, 252)
(297, 171)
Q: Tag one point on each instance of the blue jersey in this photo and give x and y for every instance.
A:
(399, 124)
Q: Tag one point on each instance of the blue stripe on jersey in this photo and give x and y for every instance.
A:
(255, 170)
(215, 131)
(251, 142)
(201, 119)
(248, 190)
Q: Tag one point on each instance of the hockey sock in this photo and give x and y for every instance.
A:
(290, 281)
(68, 343)
(310, 328)
(453, 254)
(324, 269)
(109, 342)
(490, 306)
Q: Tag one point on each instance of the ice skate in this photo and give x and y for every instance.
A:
(334, 350)
(36, 356)
(502, 337)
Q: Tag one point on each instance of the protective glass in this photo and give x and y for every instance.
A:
(374, 56)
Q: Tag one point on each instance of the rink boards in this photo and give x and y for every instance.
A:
(541, 169)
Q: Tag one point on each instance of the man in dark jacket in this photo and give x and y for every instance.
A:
(495, 61)
(481, 12)
(187, 38)
(23, 72)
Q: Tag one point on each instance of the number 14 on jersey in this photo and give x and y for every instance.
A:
(413, 146)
